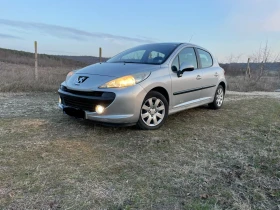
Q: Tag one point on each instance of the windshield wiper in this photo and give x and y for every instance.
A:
(130, 62)
(126, 62)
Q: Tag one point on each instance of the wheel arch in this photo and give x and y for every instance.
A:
(163, 91)
(223, 84)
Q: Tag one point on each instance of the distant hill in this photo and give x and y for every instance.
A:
(83, 59)
(268, 66)
(235, 69)
(44, 60)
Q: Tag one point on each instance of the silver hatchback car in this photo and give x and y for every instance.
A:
(144, 84)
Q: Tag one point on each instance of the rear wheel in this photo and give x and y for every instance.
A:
(218, 98)
(154, 111)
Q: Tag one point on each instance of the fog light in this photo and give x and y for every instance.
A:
(99, 109)
(59, 100)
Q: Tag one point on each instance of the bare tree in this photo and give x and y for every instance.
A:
(257, 73)
(262, 57)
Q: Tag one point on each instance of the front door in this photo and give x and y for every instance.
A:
(186, 89)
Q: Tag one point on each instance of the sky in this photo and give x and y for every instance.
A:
(79, 27)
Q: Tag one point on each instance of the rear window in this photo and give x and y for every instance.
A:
(205, 58)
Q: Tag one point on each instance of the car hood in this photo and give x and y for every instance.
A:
(100, 73)
(116, 69)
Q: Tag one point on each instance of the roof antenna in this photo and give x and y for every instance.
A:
(191, 37)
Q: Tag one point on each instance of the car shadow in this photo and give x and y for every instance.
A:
(89, 124)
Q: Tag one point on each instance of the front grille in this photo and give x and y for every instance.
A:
(86, 104)
(82, 93)
(83, 104)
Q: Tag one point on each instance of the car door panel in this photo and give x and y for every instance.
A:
(209, 74)
(186, 89)
(210, 81)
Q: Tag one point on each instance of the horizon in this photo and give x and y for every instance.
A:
(227, 29)
(241, 62)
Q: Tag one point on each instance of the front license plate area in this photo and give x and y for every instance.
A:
(78, 113)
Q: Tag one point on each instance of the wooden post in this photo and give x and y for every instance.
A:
(36, 61)
(248, 68)
(100, 54)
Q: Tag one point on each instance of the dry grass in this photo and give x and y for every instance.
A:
(26, 58)
(239, 83)
(18, 78)
(200, 159)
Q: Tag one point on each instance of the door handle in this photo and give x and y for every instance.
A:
(216, 74)
(198, 77)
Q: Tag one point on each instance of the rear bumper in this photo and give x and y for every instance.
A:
(123, 109)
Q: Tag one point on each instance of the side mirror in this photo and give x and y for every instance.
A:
(185, 67)
(174, 68)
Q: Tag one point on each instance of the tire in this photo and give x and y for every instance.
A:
(154, 111)
(218, 98)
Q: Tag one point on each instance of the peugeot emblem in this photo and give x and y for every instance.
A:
(80, 80)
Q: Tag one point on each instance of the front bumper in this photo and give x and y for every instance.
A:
(123, 108)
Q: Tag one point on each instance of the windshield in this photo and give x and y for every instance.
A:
(145, 54)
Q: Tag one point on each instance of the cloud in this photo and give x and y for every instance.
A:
(272, 22)
(8, 36)
(68, 32)
(254, 15)
(147, 38)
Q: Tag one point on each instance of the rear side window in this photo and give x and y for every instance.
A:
(205, 58)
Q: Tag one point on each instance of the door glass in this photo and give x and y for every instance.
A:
(188, 55)
(175, 63)
(205, 58)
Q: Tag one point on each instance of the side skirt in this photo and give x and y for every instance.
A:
(190, 104)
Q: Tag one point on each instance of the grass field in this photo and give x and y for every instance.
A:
(20, 78)
(266, 83)
(200, 159)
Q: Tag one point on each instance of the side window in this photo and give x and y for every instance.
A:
(175, 63)
(205, 58)
(188, 55)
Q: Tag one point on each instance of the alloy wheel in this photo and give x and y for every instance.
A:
(153, 111)
(220, 97)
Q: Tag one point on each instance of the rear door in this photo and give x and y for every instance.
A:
(209, 74)
(186, 89)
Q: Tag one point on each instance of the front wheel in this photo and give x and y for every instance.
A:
(154, 111)
(218, 98)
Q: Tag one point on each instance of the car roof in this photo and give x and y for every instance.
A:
(176, 43)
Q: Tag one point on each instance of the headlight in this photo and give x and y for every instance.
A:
(69, 75)
(126, 81)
